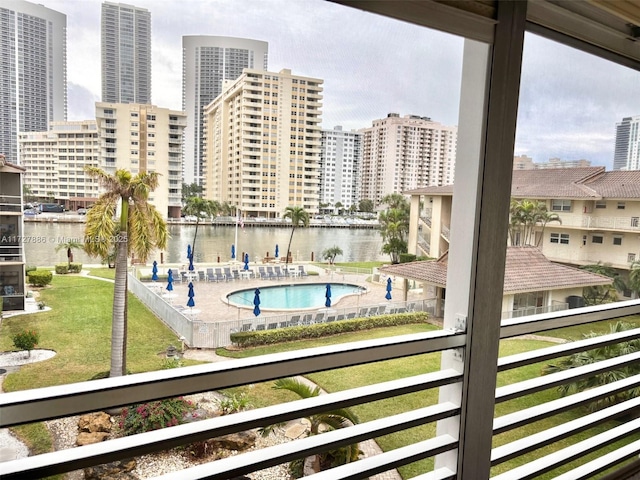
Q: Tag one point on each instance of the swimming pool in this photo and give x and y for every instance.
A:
(293, 296)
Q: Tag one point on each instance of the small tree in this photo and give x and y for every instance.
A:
(26, 340)
(366, 205)
(69, 246)
(299, 218)
(330, 254)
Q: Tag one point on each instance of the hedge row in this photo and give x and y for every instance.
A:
(64, 268)
(40, 278)
(289, 334)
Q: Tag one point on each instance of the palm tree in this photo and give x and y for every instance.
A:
(299, 217)
(199, 208)
(525, 216)
(139, 230)
(634, 278)
(323, 422)
(330, 254)
(598, 294)
(599, 354)
(394, 226)
(69, 246)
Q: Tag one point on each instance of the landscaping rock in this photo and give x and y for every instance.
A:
(95, 422)
(234, 441)
(87, 438)
(120, 470)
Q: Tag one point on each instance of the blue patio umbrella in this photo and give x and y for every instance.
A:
(191, 294)
(170, 281)
(388, 295)
(256, 302)
(154, 271)
(246, 261)
(190, 257)
(233, 252)
(277, 250)
(328, 295)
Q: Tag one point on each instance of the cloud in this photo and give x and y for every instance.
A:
(81, 102)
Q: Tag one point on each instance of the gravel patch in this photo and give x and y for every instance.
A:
(14, 359)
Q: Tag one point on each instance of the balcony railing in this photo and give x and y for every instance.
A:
(10, 203)
(60, 401)
(629, 223)
(526, 311)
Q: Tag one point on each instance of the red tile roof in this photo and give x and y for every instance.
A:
(526, 270)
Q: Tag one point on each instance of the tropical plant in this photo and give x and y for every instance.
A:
(525, 216)
(322, 422)
(596, 355)
(70, 245)
(599, 294)
(299, 218)
(330, 254)
(199, 208)
(394, 226)
(139, 230)
(234, 403)
(191, 190)
(145, 417)
(634, 278)
(366, 205)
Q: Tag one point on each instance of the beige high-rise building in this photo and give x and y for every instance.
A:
(404, 153)
(54, 161)
(262, 143)
(141, 138)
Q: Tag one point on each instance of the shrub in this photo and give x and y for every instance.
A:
(26, 340)
(62, 268)
(75, 267)
(40, 278)
(144, 417)
(407, 257)
(41, 305)
(279, 335)
(30, 268)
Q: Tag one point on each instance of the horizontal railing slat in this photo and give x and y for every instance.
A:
(563, 456)
(65, 400)
(602, 463)
(532, 414)
(527, 444)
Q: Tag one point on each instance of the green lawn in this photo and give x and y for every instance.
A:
(103, 272)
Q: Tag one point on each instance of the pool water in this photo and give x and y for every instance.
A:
(293, 296)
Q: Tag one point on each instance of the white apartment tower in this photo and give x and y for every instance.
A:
(206, 62)
(126, 53)
(144, 138)
(627, 148)
(33, 77)
(55, 161)
(340, 167)
(262, 143)
(404, 153)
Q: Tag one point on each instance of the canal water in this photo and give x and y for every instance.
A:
(214, 242)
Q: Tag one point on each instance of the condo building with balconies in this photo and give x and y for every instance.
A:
(403, 153)
(144, 138)
(262, 143)
(340, 167)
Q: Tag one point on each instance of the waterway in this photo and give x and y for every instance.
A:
(214, 242)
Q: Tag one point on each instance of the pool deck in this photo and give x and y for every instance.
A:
(210, 297)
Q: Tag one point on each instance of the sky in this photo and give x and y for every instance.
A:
(569, 105)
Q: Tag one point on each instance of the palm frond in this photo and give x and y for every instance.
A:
(296, 386)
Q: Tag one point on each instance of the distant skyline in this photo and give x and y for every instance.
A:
(569, 106)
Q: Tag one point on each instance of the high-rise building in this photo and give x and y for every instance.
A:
(55, 161)
(340, 158)
(126, 54)
(626, 154)
(144, 138)
(33, 77)
(206, 62)
(404, 153)
(262, 143)
(522, 162)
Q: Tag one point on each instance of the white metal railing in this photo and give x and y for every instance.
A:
(630, 223)
(526, 311)
(54, 402)
(10, 203)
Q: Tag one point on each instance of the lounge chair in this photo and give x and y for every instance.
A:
(247, 327)
(228, 276)
(270, 273)
(278, 272)
(262, 273)
(272, 326)
(284, 325)
(236, 275)
(183, 277)
(294, 321)
(363, 311)
(201, 277)
(260, 327)
(331, 318)
(219, 275)
(210, 275)
(340, 317)
(401, 310)
(319, 318)
(302, 272)
(307, 319)
(351, 315)
(373, 311)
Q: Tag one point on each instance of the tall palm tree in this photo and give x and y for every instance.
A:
(634, 278)
(525, 216)
(199, 208)
(299, 217)
(599, 294)
(139, 230)
(394, 226)
(322, 422)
